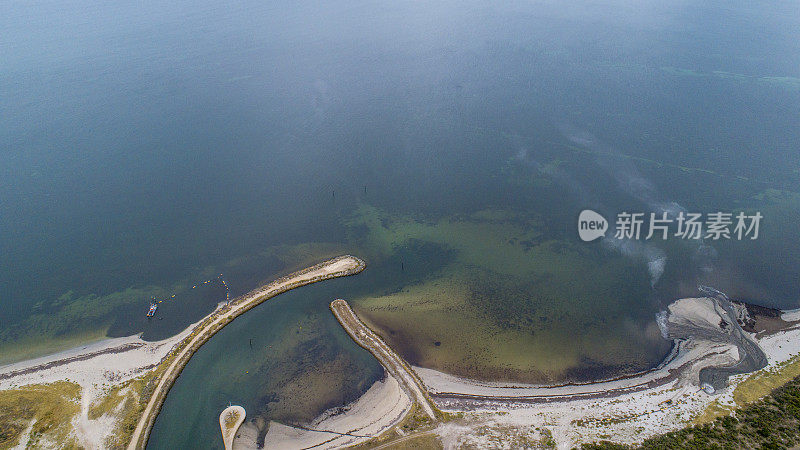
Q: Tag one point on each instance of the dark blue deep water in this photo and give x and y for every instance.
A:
(147, 146)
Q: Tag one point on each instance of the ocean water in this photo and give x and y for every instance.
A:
(147, 147)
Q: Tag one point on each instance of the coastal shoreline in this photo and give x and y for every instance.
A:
(632, 407)
(385, 405)
(684, 353)
(77, 354)
(337, 267)
(630, 417)
(378, 410)
(663, 398)
(98, 367)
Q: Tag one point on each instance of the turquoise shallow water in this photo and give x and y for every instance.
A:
(148, 147)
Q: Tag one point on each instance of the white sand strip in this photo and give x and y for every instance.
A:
(444, 384)
(110, 361)
(791, 315)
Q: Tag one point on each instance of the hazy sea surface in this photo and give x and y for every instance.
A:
(148, 147)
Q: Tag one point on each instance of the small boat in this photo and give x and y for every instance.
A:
(153, 308)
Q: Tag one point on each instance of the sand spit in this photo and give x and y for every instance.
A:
(391, 361)
(699, 342)
(380, 408)
(230, 419)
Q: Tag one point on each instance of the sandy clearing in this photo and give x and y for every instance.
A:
(95, 367)
(699, 312)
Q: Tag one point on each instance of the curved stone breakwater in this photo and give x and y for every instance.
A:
(390, 360)
(177, 359)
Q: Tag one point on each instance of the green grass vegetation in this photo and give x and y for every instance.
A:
(415, 422)
(111, 401)
(230, 420)
(422, 441)
(772, 422)
(712, 412)
(126, 402)
(761, 383)
(46, 408)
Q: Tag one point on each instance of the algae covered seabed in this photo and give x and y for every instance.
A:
(509, 303)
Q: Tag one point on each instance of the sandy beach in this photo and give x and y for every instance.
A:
(626, 418)
(685, 360)
(96, 368)
(380, 408)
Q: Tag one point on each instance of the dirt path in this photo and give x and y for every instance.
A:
(337, 267)
(399, 441)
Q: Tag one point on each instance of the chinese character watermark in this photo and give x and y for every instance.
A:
(713, 226)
